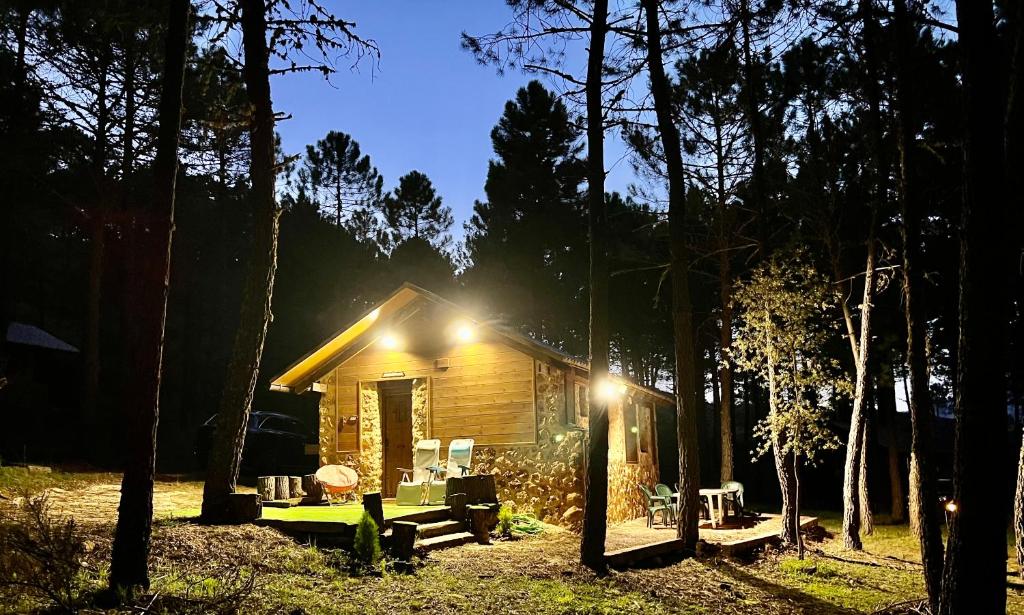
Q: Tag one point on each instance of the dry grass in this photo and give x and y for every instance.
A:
(199, 568)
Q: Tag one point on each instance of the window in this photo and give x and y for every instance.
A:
(582, 405)
(632, 431)
(645, 428)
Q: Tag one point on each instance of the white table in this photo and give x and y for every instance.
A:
(716, 503)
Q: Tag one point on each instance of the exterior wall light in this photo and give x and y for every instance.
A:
(464, 332)
(390, 341)
(608, 390)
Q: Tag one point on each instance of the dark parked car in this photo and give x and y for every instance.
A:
(275, 443)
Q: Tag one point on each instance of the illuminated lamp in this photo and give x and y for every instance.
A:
(464, 332)
(390, 341)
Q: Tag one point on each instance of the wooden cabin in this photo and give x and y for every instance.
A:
(418, 366)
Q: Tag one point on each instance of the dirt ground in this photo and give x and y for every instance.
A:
(251, 569)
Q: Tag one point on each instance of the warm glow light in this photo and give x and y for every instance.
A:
(951, 506)
(634, 429)
(559, 437)
(464, 332)
(390, 341)
(609, 390)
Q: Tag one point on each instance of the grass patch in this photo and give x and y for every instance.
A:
(344, 513)
(20, 481)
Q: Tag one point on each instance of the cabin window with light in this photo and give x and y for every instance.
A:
(582, 405)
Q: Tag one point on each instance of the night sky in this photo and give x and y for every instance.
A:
(428, 105)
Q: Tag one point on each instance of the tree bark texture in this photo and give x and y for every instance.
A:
(973, 578)
(150, 236)
(255, 314)
(855, 511)
(682, 310)
(924, 518)
(595, 512)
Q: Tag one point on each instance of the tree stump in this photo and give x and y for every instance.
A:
(265, 487)
(244, 507)
(403, 537)
(373, 504)
(313, 489)
(457, 503)
(295, 487)
(281, 491)
(482, 520)
(479, 488)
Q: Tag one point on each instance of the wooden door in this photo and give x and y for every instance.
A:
(396, 427)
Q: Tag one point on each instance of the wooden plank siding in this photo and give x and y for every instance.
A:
(487, 393)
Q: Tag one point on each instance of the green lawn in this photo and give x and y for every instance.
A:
(337, 513)
(343, 513)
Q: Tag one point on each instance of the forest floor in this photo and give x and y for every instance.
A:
(197, 568)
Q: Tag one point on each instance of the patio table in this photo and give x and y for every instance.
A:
(716, 503)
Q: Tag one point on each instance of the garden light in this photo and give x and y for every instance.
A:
(951, 506)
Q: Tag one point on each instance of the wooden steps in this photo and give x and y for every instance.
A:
(440, 528)
(444, 541)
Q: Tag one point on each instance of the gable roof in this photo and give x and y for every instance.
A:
(398, 307)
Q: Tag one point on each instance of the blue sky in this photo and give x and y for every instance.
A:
(428, 105)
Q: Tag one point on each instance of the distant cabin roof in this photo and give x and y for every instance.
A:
(349, 341)
(30, 335)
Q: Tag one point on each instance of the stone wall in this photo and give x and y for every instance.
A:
(421, 410)
(371, 444)
(545, 479)
(625, 501)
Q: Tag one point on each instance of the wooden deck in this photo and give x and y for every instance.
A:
(341, 521)
(633, 542)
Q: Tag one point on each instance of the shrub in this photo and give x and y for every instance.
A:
(367, 541)
(41, 557)
(505, 520)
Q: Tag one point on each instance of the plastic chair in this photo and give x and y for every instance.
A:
(735, 500)
(460, 456)
(656, 504)
(665, 492)
(414, 488)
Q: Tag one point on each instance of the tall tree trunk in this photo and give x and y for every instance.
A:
(885, 402)
(855, 443)
(725, 325)
(867, 520)
(973, 579)
(254, 317)
(682, 311)
(1014, 160)
(924, 518)
(595, 513)
(150, 257)
(855, 477)
(751, 76)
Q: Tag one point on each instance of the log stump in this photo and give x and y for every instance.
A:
(457, 503)
(295, 487)
(482, 519)
(244, 507)
(281, 491)
(266, 488)
(403, 537)
(313, 489)
(374, 504)
(479, 488)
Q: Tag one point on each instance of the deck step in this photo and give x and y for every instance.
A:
(426, 516)
(440, 528)
(445, 541)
